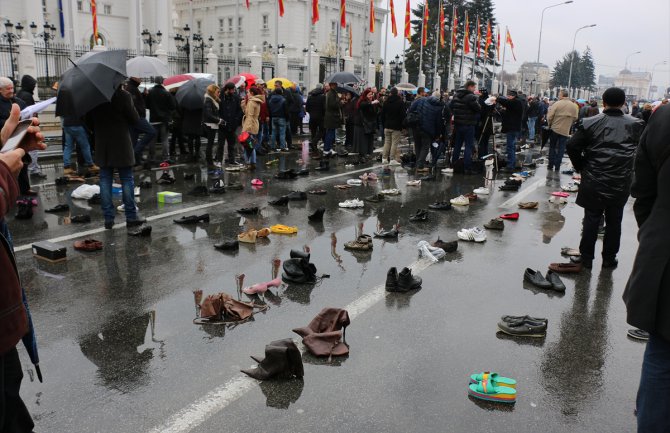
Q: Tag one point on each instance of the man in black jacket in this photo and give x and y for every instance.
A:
(466, 111)
(512, 116)
(142, 126)
(230, 112)
(647, 295)
(533, 113)
(602, 150)
(393, 118)
(161, 105)
(316, 107)
(7, 98)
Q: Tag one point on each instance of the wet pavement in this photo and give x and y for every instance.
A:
(120, 353)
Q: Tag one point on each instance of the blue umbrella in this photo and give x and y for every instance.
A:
(29, 340)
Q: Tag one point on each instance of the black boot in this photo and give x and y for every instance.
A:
(324, 165)
(392, 280)
(282, 359)
(317, 216)
(407, 281)
(297, 254)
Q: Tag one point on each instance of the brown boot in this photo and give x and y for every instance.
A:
(67, 171)
(93, 168)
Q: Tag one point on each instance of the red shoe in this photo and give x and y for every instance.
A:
(164, 164)
(510, 216)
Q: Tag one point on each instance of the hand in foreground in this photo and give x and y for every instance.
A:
(34, 139)
(13, 160)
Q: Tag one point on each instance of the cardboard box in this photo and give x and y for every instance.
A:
(169, 197)
(49, 251)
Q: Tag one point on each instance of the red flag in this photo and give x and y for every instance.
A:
(351, 43)
(479, 35)
(424, 36)
(488, 39)
(441, 25)
(247, 4)
(454, 30)
(466, 35)
(508, 40)
(315, 11)
(372, 16)
(94, 14)
(408, 29)
(498, 43)
(281, 8)
(394, 28)
(343, 13)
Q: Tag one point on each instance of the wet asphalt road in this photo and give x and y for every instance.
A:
(120, 353)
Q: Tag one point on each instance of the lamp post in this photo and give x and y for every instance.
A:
(183, 44)
(629, 56)
(396, 67)
(150, 39)
(380, 75)
(572, 53)
(11, 38)
(664, 62)
(539, 42)
(199, 43)
(47, 35)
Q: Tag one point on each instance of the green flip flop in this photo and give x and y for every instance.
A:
(495, 378)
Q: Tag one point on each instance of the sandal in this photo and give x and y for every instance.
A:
(342, 186)
(493, 378)
(490, 391)
(283, 230)
(560, 194)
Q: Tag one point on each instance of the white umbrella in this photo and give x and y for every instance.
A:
(145, 67)
(408, 87)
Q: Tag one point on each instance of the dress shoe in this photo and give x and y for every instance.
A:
(88, 245)
(227, 245)
(448, 247)
(249, 210)
(535, 278)
(420, 215)
(192, 219)
(392, 280)
(440, 205)
(317, 216)
(58, 208)
(80, 219)
(281, 201)
(143, 231)
(610, 263)
(407, 281)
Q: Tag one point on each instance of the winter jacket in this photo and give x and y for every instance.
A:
(316, 105)
(6, 108)
(647, 294)
(562, 114)
(465, 107)
(393, 113)
(27, 88)
(333, 114)
(277, 106)
(160, 104)
(296, 104)
(191, 122)
(602, 150)
(251, 114)
(210, 113)
(132, 87)
(366, 117)
(430, 117)
(110, 123)
(533, 109)
(13, 315)
(230, 111)
(511, 117)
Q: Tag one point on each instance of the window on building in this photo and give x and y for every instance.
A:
(266, 22)
(230, 48)
(230, 24)
(80, 5)
(265, 46)
(107, 9)
(220, 24)
(44, 6)
(239, 24)
(222, 49)
(198, 25)
(239, 47)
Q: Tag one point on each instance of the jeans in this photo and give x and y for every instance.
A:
(532, 121)
(127, 185)
(653, 396)
(556, 149)
(391, 140)
(463, 134)
(76, 134)
(590, 225)
(141, 127)
(328, 140)
(259, 142)
(211, 137)
(34, 166)
(161, 130)
(316, 130)
(278, 133)
(511, 149)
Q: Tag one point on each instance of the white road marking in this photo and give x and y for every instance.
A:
(220, 397)
(121, 225)
(347, 173)
(523, 194)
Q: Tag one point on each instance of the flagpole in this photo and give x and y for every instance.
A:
(276, 71)
(437, 44)
(192, 56)
(423, 23)
(386, 42)
(366, 49)
(237, 37)
(404, 47)
(70, 29)
(337, 43)
(502, 71)
(451, 45)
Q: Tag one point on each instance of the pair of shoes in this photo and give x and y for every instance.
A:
(375, 198)
(88, 245)
(440, 205)
(448, 247)
(528, 205)
(142, 230)
(461, 200)
(402, 281)
(552, 281)
(491, 388)
(317, 216)
(283, 230)
(524, 326)
(474, 234)
(362, 243)
(495, 224)
(420, 215)
(253, 210)
(387, 234)
(193, 219)
(482, 191)
(228, 245)
(353, 203)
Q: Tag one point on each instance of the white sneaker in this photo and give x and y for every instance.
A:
(137, 191)
(414, 182)
(394, 162)
(348, 165)
(461, 200)
(482, 191)
(393, 191)
(571, 187)
(122, 208)
(353, 203)
(474, 234)
(217, 164)
(386, 161)
(354, 182)
(447, 171)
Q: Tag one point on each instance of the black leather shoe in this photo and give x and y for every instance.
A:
(535, 278)
(508, 188)
(387, 234)
(584, 262)
(81, 219)
(407, 281)
(227, 245)
(392, 280)
(135, 223)
(193, 219)
(448, 247)
(610, 263)
(58, 208)
(281, 201)
(143, 230)
(440, 205)
(555, 280)
(420, 215)
(297, 254)
(249, 210)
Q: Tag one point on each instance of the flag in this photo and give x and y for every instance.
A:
(488, 39)
(343, 13)
(408, 28)
(315, 11)
(351, 43)
(281, 8)
(94, 14)
(394, 28)
(424, 27)
(247, 4)
(466, 35)
(372, 16)
(508, 40)
(454, 30)
(479, 35)
(441, 26)
(498, 43)
(61, 19)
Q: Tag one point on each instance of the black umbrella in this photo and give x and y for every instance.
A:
(29, 340)
(343, 78)
(191, 95)
(344, 88)
(90, 82)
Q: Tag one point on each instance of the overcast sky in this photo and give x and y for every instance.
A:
(623, 27)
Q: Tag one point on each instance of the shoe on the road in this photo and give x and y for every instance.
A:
(281, 201)
(387, 234)
(610, 263)
(392, 280)
(447, 170)
(392, 191)
(218, 187)
(513, 319)
(461, 200)
(318, 191)
(317, 216)
(523, 328)
(420, 215)
(495, 224)
(440, 205)
(416, 182)
(635, 333)
(193, 219)
(228, 246)
(362, 243)
(474, 234)
(566, 268)
(535, 278)
(482, 191)
(353, 203)
(142, 230)
(555, 280)
(88, 245)
(375, 198)
(58, 208)
(528, 205)
(79, 219)
(448, 247)
(571, 187)
(510, 216)
(514, 182)
(252, 210)
(508, 188)
(407, 281)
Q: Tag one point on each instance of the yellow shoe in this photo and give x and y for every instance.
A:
(263, 233)
(284, 230)
(248, 237)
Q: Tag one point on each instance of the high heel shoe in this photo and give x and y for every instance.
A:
(274, 283)
(256, 288)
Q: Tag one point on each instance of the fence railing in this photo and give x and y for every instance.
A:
(8, 64)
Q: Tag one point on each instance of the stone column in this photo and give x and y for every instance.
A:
(282, 65)
(256, 60)
(450, 84)
(348, 64)
(421, 82)
(436, 82)
(372, 74)
(162, 55)
(387, 74)
(405, 77)
(312, 64)
(213, 64)
(27, 62)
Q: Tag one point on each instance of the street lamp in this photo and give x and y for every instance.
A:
(664, 62)
(47, 35)
(572, 53)
(11, 38)
(629, 56)
(183, 44)
(199, 43)
(150, 39)
(539, 42)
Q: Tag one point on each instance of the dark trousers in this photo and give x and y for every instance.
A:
(14, 416)
(193, 141)
(148, 134)
(653, 396)
(228, 136)
(422, 148)
(24, 180)
(316, 130)
(177, 137)
(211, 139)
(612, 240)
(349, 134)
(463, 135)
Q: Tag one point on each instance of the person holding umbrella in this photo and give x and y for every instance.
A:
(210, 117)
(142, 126)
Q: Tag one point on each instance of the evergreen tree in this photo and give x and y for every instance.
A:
(587, 70)
(583, 71)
